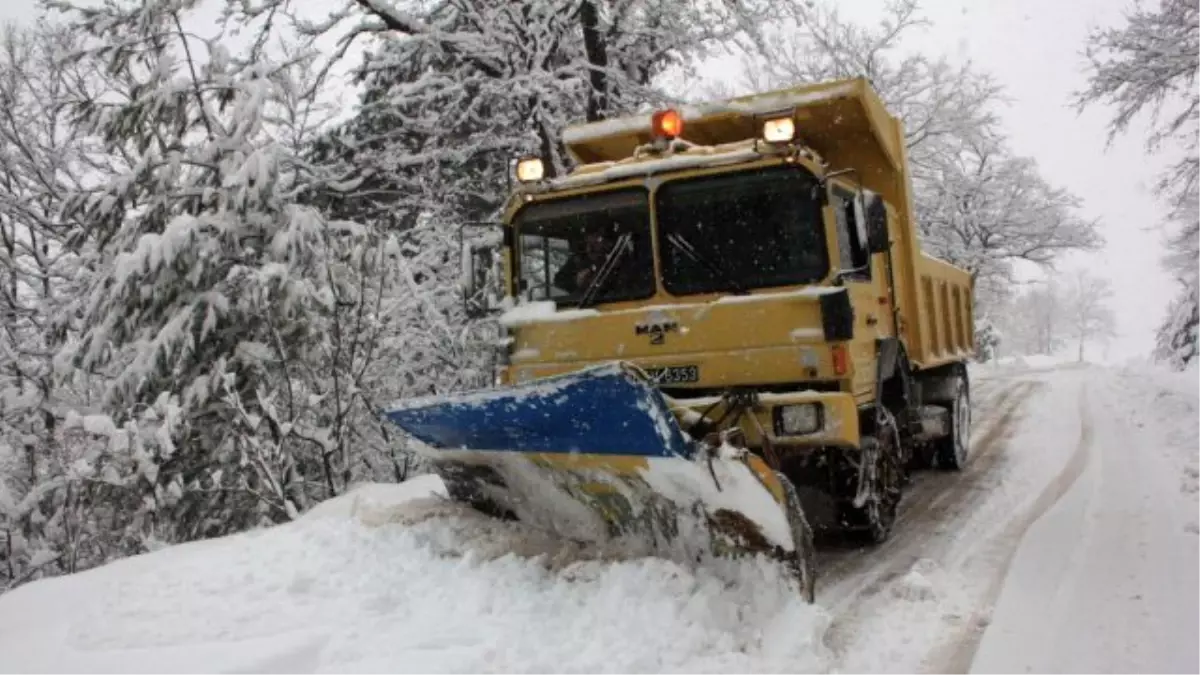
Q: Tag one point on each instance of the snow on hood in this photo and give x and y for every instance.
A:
(421, 585)
(543, 311)
(546, 311)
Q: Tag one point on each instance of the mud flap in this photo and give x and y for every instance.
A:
(597, 456)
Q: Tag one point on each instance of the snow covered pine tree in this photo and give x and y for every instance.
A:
(52, 520)
(234, 326)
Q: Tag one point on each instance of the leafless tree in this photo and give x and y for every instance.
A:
(1087, 309)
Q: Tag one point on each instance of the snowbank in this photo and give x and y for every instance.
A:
(394, 578)
(376, 503)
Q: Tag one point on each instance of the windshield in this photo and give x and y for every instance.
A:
(741, 231)
(564, 246)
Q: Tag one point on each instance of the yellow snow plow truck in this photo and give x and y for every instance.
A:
(719, 328)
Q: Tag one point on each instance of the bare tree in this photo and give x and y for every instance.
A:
(1087, 310)
(983, 208)
(938, 101)
(1148, 67)
(1040, 309)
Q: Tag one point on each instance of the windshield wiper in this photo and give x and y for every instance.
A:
(716, 270)
(624, 243)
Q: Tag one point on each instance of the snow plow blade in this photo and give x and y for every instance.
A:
(597, 456)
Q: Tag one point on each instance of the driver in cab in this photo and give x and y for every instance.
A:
(580, 270)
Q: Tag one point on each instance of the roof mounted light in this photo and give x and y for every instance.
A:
(530, 169)
(667, 124)
(779, 130)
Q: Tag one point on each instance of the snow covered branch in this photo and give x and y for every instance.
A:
(1149, 65)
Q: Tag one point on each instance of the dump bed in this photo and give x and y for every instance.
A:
(946, 332)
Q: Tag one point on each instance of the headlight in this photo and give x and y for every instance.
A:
(797, 420)
(780, 130)
(530, 170)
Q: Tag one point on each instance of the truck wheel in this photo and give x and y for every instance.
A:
(952, 450)
(881, 512)
(803, 560)
(873, 510)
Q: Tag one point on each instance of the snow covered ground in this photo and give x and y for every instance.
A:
(1070, 543)
(392, 579)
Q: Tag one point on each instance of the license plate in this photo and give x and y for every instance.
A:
(674, 374)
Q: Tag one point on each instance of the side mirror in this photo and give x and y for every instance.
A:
(480, 278)
(878, 240)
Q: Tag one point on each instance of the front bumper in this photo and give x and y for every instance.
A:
(838, 418)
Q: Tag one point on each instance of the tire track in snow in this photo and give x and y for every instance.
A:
(934, 501)
(841, 566)
(959, 655)
(1026, 372)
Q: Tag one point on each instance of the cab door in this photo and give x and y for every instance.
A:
(865, 279)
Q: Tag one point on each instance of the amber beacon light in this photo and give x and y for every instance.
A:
(667, 124)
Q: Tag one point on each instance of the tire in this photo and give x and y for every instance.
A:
(873, 521)
(953, 450)
(879, 516)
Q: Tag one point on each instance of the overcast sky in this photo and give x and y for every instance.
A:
(1033, 49)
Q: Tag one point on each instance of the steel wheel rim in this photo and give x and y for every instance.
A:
(962, 427)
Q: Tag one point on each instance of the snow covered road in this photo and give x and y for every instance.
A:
(919, 601)
(1069, 543)
(1106, 579)
(983, 574)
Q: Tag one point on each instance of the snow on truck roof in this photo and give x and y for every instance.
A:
(610, 171)
(760, 104)
(843, 120)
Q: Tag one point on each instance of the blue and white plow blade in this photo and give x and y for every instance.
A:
(605, 410)
(598, 456)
